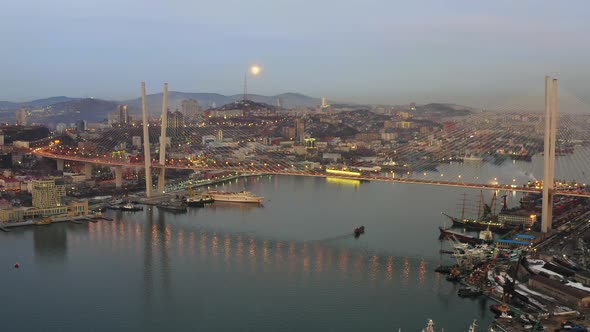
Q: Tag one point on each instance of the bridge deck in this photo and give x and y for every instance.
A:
(45, 154)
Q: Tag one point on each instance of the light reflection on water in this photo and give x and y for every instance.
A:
(258, 268)
(313, 256)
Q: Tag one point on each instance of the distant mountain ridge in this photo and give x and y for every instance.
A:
(67, 109)
(175, 98)
(44, 102)
(208, 100)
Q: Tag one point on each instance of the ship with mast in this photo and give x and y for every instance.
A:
(487, 219)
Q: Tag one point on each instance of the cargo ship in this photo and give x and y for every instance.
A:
(237, 197)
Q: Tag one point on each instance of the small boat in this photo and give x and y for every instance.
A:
(446, 233)
(429, 327)
(131, 207)
(472, 157)
(44, 221)
(469, 292)
(359, 230)
(486, 236)
(454, 275)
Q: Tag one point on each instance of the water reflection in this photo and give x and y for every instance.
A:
(225, 206)
(230, 248)
(51, 244)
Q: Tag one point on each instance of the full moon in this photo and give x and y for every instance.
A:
(255, 70)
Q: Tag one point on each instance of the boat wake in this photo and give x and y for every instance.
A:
(333, 239)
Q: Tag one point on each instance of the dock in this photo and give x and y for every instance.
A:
(7, 225)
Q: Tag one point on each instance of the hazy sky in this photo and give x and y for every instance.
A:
(382, 51)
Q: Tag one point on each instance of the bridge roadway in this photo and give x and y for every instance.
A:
(106, 162)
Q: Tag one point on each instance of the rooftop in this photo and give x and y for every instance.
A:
(524, 236)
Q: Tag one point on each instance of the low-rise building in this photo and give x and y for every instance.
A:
(583, 276)
(10, 184)
(569, 295)
(75, 208)
(511, 244)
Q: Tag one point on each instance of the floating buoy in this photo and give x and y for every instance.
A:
(16, 266)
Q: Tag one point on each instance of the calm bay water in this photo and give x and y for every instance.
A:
(291, 265)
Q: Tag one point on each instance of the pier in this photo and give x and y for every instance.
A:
(7, 225)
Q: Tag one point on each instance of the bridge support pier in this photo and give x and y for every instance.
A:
(549, 145)
(60, 165)
(118, 176)
(88, 170)
(161, 181)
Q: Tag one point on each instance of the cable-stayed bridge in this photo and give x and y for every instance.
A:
(405, 145)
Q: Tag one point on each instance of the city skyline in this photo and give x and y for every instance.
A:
(376, 52)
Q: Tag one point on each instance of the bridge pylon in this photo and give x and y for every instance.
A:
(163, 141)
(549, 150)
(146, 143)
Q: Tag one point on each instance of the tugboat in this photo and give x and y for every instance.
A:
(359, 230)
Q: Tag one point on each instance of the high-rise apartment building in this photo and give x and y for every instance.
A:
(191, 110)
(22, 117)
(47, 194)
(299, 129)
(124, 118)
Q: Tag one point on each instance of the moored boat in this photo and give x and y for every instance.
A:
(486, 236)
(461, 237)
(472, 158)
(199, 200)
(131, 207)
(480, 225)
(501, 309)
(237, 197)
(44, 221)
(179, 208)
(469, 292)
